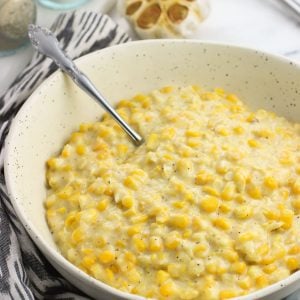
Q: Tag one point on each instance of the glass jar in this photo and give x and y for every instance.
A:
(15, 16)
(61, 4)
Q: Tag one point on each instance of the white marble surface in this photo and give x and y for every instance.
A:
(263, 24)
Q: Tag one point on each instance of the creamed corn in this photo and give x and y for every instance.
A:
(207, 208)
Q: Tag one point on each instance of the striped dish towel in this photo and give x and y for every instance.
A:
(24, 272)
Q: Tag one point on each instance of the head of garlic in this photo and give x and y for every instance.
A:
(165, 18)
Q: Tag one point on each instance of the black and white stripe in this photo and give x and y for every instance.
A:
(24, 272)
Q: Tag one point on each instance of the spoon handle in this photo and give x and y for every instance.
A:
(44, 41)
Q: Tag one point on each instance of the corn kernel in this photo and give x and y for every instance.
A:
(102, 205)
(240, 199)
(109, 275)
(197, 223)
(199, 249)
(226, 294)
(245, 237)
(287, 217)
(66, 151)
(211, 191)
(75, 137)
(71, 220)
(153, 141)
(65, 193)
(193, 142)
(184, 166)
(179, 221)
(196, 88)
(139, 97)
(222, 131)
(296, 203)
(230, 255)
(99, 242)
(287, 160)
(269, 268)
(166, 89)
(172, 242)
(228, 191)
(106, 257)
(254, 191)
(203, 178)
(81, 149)
(122, 149)
(131, 183)
(208, 96)
(61, 210)
(239, 267)
(88, 261)
(187, 234)
(133, 230)
(102, 148)
(222, 223)
(292, 263)
(127, 202)
(138, 173)
(139, 218)
(270, 182)
(179, 204)
(280, 253)
(222, 167)
(139, 244)
(130, 257)
(103, 131)
(240, 181)
(52, 163)
(225, 208)
(176, 270)
(243, 212)
(294, 249)
(155, 244)
(167, 289)
(264, 133)
(268, 260)
(120, 244)
(253, 143)
(193, 133)
(77, 236)
(284, 192)
(238, 130)
(296, 187)
(245, 283)
(53, 182)
(83, 127)
(262, 281)
(251, 118)
(168, 133)
(263, 249)
(124, 103)
(232, 98)
(134, 276)
(96, 189)
(162, 276)
(272, 214)
(209, 204)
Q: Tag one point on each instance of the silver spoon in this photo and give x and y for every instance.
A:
(44, 41)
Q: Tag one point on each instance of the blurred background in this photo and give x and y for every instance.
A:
(269, 25)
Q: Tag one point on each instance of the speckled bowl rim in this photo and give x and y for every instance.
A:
(38, 239)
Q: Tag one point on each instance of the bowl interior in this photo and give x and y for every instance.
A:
(57, 107)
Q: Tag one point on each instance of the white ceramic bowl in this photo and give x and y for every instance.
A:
(57, 107)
